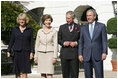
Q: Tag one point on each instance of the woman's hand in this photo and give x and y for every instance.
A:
(31, 55)
(36, 60)
(8, 54)
(54, 60)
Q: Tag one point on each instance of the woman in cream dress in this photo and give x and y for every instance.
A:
(46, 48)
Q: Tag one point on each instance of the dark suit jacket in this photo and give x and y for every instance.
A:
(93, 47)
(67, 52)
(21, 41)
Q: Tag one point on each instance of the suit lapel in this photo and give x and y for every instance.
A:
(73, 31)
(95, 29)
(67, 29)
(87, 29)
(75, 28)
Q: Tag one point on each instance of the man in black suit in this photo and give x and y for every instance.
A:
(68, 37)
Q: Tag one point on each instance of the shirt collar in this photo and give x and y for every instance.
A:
(51, 29)
(92, 23)
(71, 24)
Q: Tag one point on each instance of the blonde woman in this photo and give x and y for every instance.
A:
(22, 43)
(46, 48)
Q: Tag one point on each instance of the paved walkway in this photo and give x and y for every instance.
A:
(107, 74)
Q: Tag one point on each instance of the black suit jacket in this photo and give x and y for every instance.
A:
(67, 52)
(21, 41)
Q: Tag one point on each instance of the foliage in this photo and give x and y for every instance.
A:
(112, 43)
(6, 63)
(6, 68)
(112, 29)
(9, 11)
(112, 26)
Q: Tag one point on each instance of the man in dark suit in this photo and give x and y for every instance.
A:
(68, 37)
(93, 45)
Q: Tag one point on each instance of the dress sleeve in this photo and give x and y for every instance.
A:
(11, 41)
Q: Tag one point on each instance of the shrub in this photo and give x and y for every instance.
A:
(112, 43)
(112, 26)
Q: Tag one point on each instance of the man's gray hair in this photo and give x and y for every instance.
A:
(94, 12)
(71, 13)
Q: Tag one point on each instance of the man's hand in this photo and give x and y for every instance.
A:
(66, 43)
(104, 56)
(8, 54)
(72, 44)
(80, 58)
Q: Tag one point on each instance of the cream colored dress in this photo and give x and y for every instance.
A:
(45, 50)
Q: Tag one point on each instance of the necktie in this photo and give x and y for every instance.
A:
(91, 31)
(70, 28)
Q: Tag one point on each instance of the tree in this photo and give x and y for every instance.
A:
(112, 42)
(112, 26)
(9, 13)
(112, 29)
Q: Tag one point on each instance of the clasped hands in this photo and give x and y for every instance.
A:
(72, 44)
